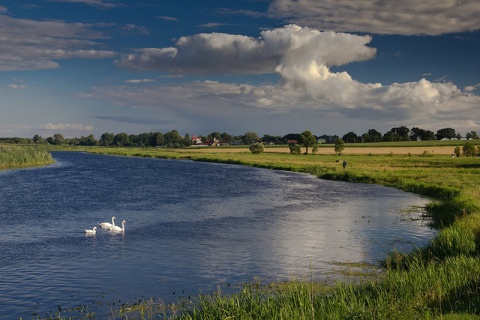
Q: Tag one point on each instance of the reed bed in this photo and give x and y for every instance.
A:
(12, 156)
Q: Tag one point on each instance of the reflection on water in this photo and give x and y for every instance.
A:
(190, 227)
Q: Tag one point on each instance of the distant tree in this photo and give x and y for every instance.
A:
(106, 139)
(58, 139)
(474, 135)
(457, 151)
(173, 139)
(121, 140)
(88, 141)
(350, 137)
(269, 139)
(307, 140)
(389, 136)
(291, 136)
(294, 148)
(429, 135)
(339, 146)
(249, 138)
(225, 137)
(38, 139)
(445, 133)
(468, 149)
(256, 148)
(157, 139)
(374, 135)
(458, 136)
(417, 134)
(401, 133)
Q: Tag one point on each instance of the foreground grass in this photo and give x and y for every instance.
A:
(441, 280)
(13, 156)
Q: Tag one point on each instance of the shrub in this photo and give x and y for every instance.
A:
(256, 148)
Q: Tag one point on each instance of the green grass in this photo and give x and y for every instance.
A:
(13, 156)
(440, 280)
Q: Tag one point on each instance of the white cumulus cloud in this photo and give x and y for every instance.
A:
(220, 53)
(301, 57)
(406, 17)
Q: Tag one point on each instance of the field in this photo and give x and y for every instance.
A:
(433, 150)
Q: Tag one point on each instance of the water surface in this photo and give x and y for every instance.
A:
(190, 226)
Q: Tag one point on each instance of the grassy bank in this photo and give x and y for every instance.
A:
(13, 156)
(441, 280)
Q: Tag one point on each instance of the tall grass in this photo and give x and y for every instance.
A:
(12, 156)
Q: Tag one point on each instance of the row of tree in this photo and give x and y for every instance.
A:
(173, 139)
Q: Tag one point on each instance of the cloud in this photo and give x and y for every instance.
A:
(220, 53)
(168, 18)
(128, 119)
(95, 3)
(140, 80)
(307, 88)
(472, 88)
(36, 45)
(66, 126)
(408, 17)
(17, 86)
(212, 25)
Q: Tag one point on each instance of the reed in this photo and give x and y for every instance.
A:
(12, 156)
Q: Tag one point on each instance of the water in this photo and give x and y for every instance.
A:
(190, 227)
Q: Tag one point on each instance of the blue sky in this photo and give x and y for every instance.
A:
(81, 67)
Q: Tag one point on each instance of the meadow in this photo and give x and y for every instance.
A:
(441, 280)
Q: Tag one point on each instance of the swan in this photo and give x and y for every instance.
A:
(92, 231)
(108, 225)
(117, 228)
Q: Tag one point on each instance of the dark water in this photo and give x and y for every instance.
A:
(190, 226)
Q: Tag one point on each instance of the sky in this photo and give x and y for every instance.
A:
(81, 67)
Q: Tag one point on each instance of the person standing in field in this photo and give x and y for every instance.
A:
(344, 164)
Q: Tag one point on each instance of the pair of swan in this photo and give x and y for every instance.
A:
(112, 226)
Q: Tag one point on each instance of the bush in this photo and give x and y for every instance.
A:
(256, 148)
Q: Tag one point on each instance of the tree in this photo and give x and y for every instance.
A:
(157, 139)
(456, 151)
(38, 139)
(350, 137)
(106, 139)
(58, 139)
(121, 140)
(250, 137)
(468, 149)
(256, 148)
(308, 140)
(339, 146)
(445, 133)
(374, 135)
(401, 133)
(294, 148)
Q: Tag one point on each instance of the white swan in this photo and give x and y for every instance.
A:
(107, 225)
(117, 228)
(91, 231)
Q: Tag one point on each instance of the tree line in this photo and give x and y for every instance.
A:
(173, 139)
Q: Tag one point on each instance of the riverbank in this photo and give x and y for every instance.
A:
(14, 156)
(440, 280)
